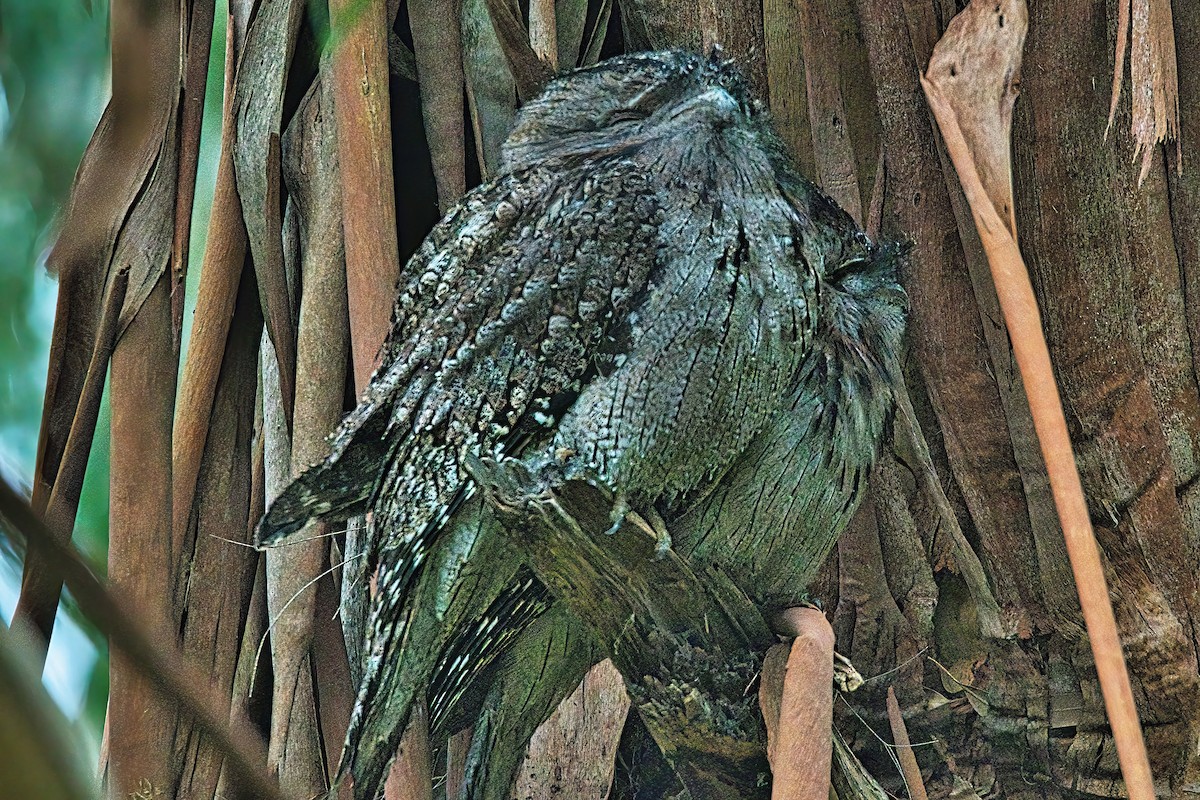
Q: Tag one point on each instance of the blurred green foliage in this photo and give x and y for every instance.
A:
(53, 85)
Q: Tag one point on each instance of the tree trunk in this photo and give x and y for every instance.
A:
(951, 587)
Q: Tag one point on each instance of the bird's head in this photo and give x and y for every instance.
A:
(629, 101)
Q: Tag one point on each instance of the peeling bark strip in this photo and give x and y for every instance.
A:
(572, 753)
(1154, 78)
(140, 721)
(437, 47)
(199, 27)
(258, 97)
(40, 588)
(688, 644)
(977, 61)
(219, 565)
(221, 271)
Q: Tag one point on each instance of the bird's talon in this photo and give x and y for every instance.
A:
(620, 511)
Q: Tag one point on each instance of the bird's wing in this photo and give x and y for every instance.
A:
(499, 319)
(498, 312)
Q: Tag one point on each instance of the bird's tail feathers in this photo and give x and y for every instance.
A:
(335, 489)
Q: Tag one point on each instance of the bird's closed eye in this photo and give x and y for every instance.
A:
(626, 115)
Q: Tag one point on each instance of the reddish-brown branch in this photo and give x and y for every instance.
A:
(904, 751)
(976, 58)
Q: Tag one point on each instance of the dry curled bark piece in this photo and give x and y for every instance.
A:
(976, 68)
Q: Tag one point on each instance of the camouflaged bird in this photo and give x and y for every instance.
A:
(647, 286)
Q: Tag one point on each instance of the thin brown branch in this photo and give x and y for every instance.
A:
(176, 680)
(40, 586)
(904, 752)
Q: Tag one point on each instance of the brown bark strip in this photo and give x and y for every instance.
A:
(985, 59)
(224, 261)
(171, 675)
(570, 21)
(835, 167)
(437, 42)
(308, 631)
(410, 778)
(258, 106)
(967, 562)
(737, 27)
(112, 174)
(572, 753)
(528, 68)
(40, 585)
(595, 40)
(904, 751)
(803, 748)
(456, 761)
(543, 32)
(141, 725)
(770, 694)
(294, 747)
(361, 107)
(1185, 186)
(219, 563)
(255, 625)
(491, 88)
(195, 80)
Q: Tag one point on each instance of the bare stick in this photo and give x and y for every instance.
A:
(979, 58)
(904, 752)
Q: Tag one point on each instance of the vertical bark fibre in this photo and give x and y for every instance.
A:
(360, 71)
(141, 724)
(220, 563)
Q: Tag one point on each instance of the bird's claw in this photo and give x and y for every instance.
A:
(652, 523)
(620, 511)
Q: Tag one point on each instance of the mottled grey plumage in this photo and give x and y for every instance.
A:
(647, 286)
